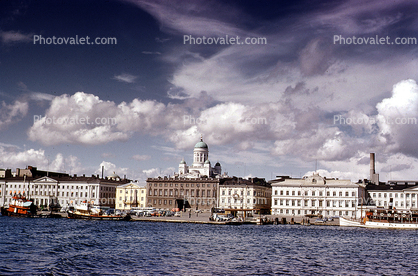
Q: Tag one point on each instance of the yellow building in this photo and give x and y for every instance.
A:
(130, 195)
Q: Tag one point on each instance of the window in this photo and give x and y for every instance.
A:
(275, 202)
(353, 193)
(275, 192)
(281, 192)
(313, 193)
(341, 193)
(334, 193)
(287, 192)
(346, 194)
(328, 193)
(293, 192)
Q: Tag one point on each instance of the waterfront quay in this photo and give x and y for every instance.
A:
(203, 218)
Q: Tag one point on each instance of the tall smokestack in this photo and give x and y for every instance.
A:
(374, 177)
(372, 166)
(102, 171)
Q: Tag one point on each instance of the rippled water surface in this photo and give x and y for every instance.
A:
(76, 247)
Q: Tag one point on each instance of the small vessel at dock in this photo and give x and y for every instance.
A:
(86, 210)
(20, 206)
(385, 218)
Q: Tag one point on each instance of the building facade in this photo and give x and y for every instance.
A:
(399, 194)
(316, 195)
(248, 196)
(131, 195)
(61, 190)
(179, 192)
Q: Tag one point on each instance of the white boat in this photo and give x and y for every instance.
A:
(350, 222)
(385, 218)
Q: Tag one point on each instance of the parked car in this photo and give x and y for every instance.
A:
(177, 214)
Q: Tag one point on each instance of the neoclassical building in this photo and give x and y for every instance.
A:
(49, 189)
(251, 195)
(201, 165)
(316, 195)
(194, 186)
(130, 195)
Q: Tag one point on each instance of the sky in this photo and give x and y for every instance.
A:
(312, 85)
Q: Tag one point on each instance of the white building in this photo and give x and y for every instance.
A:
(400, 194)
(315, 195)
(250, 196)
(201, 165)
(62, 191)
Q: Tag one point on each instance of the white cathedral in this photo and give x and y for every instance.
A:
(201, 165)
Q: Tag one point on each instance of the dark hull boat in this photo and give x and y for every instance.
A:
(20, 207)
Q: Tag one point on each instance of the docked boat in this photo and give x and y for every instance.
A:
(86, 210)
(385, 218)
(20, 206)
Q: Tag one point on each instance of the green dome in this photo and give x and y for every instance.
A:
(201, 144)
(183, 162)
(207, 162)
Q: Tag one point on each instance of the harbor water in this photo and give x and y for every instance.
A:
(76, 247)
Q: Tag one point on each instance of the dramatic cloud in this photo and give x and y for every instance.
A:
(12, 113)
(13, 157)
(398, 118)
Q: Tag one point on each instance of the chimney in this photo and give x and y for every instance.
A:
(372, 166)
(374, 177)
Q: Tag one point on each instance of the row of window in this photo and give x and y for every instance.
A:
(408, 204)
(305, 212)
(240, 201)
(314, 203)
(131, 191)
(46, 187)
(249, 192)
(202, 202)
(176, 185)
(130, 198)
(314, 193)
(395, 195)
(197, 193)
